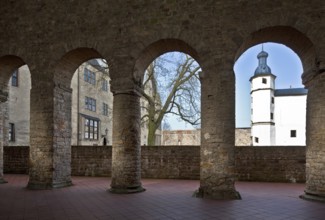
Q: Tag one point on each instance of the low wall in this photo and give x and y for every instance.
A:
(15, 159)
(170, 162)
(270, 164)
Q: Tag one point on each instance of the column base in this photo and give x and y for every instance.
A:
(2, 181)
(126, 190)
(313, 197)
(37, 186)
(218, 195)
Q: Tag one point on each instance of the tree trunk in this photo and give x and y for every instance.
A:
(151, 133)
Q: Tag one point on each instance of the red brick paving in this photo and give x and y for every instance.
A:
(164, 199)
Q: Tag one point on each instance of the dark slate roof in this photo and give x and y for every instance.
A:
(290, 92)
(95, 64)
(262, 67)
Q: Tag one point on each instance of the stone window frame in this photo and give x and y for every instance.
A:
(15, 78)
(105, 85)
(91, 127)
(89, 76)
(12, 132)
(105, 109)
(90, 104)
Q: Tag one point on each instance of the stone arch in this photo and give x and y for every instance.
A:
(8, 64)
(288, 36)
(155, 49)
(70, 61)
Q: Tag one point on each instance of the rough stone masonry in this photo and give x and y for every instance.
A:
(54, 39)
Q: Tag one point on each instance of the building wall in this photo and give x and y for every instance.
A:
(243, 137)
(181, 137)
(290, 114)
(81, 89)
(270, 164)
(193, 137)
(19, 107)
(262, 107)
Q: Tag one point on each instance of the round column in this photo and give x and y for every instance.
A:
(126, 151)
(315, 140)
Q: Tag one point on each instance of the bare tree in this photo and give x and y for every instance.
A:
(171, 86)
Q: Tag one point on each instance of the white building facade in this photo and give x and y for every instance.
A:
(278, 116)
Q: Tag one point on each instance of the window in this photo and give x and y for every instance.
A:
(89, 76)
(293, 133)
(91, 129)
(256, 139)
(90, 104)
(272, 100)
(14, 78)
(11, 132)
(264, 80)
(104, 85)
(105, 109)
(271, 116)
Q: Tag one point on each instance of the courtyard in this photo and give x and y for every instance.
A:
(163, 199)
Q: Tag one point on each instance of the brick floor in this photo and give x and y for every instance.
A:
(164, 199)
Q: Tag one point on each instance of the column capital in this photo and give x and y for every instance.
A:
(126, 86)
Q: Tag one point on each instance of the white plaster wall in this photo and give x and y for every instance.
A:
(261, 106)
(263, 132)
(256, 82)
(290, 114)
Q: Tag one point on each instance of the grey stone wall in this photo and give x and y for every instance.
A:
(269, 164)
(170, 162)
(16, 159)
(243, 137)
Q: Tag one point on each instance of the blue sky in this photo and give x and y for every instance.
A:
(284, 63)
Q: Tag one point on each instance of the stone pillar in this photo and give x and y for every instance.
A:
(315, 138)
(3, 114)
(126, 150)
(50, 136)
(217, 174)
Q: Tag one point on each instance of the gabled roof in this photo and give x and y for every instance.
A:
(290, 92)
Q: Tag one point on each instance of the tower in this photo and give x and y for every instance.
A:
(262, 103)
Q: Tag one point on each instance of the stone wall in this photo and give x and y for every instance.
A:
(91, 160)
(16, 159)
(170, 162)
(181, 137)
(243, 137)
(273, 164)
